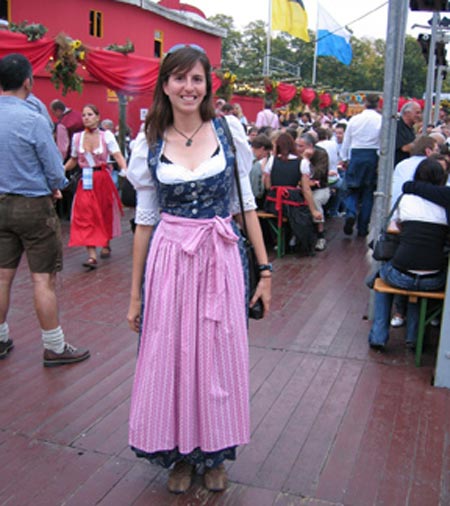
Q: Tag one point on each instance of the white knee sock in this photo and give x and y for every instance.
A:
(53, 339)
(4, 332)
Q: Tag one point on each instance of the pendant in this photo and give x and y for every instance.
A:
(189, 142)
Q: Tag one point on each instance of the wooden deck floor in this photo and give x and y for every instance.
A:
(332, 422)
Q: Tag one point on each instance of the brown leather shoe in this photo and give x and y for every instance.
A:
(215, 478)
(70, 355)
(180, 478)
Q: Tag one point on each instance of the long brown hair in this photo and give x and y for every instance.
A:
(160, 116)
(284, 146)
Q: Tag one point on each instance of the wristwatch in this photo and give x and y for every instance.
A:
(265, 267)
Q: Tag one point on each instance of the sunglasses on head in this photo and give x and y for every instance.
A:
(177, 47)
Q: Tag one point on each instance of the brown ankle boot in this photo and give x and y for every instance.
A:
(180, 477)
(215, 478)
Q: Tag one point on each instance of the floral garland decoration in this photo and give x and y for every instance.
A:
(33, 31)
(249, 90)
(227, 85)
(64, 69)
(270, 88)
(124, 49)
(445, 103)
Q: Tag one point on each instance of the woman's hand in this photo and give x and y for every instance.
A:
(134, 314)
(70, 164)
(263, 290)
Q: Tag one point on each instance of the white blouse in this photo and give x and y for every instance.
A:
(415, 208)
(111, 145)
(147, 205)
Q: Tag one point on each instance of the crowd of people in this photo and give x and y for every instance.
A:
(330, 162)
(307, 155)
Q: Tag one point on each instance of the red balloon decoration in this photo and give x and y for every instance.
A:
(401, 102)
(342, 107)
(325, 100)
(307, 95)
(286, 92)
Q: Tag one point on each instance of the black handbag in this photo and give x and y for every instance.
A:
(385, 245)
(73, 176)
(127, 193)
(256, 312)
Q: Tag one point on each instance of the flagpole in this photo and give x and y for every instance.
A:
(314, 74)
(266, 66)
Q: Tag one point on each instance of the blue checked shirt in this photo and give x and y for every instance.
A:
(30, 163)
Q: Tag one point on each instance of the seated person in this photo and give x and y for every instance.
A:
(419, 262)
(262, 149)
(282, 174)
(315, 166)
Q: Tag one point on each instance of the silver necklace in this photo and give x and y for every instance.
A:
(189, 139)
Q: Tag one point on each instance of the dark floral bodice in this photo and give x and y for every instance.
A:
(201, 198)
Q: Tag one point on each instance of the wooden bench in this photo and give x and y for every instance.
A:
(279, 231)
(415, 298)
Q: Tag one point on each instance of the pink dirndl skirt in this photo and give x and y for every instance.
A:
(191, 388)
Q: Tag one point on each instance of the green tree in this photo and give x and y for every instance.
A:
(231, 44)
(253, 50)
(294, 51)
(414, 76)
(243, 53)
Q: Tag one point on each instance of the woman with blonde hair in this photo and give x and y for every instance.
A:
(237, 111)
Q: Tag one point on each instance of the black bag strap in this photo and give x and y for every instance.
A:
(229, 137)
(394, 208)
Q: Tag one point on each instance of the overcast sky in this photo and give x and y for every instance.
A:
(373, 24)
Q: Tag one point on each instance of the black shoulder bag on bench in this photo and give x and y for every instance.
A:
(385, 245)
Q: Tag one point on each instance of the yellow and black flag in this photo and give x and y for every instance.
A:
(290, 16)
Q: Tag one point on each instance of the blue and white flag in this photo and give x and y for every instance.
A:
(332, 38)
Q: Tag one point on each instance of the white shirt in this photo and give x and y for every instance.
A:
(404, 171)
(267, 118)
(415, 208)
(147, 205)
(305, 166)
(331, 147)
(362, 132)
(111, 145)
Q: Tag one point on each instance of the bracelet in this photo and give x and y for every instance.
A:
(265, 267)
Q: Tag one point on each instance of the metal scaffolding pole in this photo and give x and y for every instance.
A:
(437, 99)
(395, 44)
(266, 64)
(430, 74)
